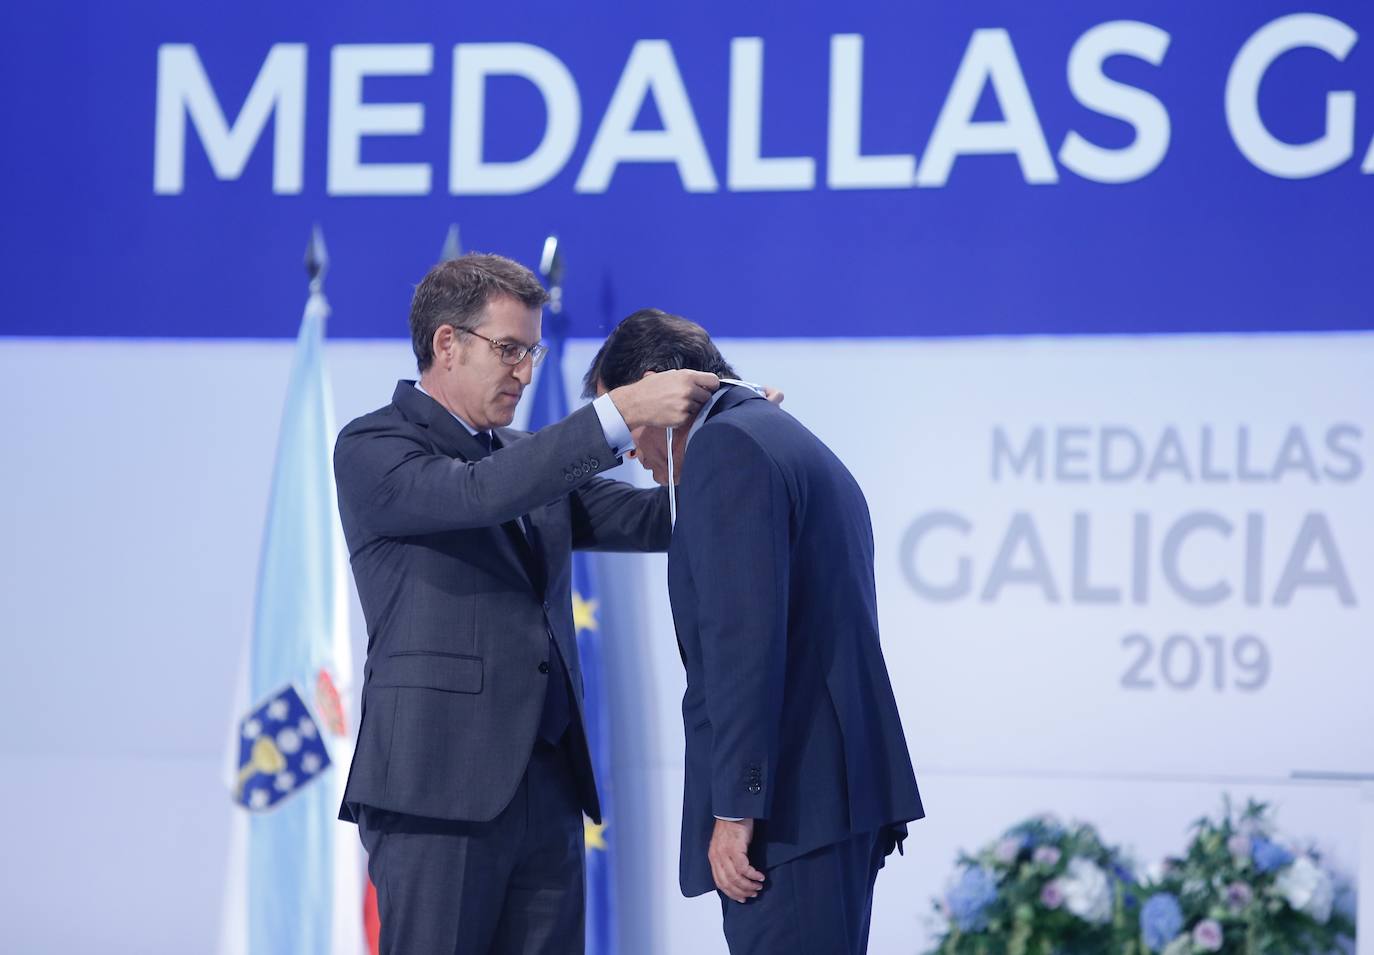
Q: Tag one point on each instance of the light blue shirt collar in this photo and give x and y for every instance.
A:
(471, 430)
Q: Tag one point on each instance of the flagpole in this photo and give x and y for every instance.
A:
(302, 877)
(316, 260)
(551, 404)
(452, 247)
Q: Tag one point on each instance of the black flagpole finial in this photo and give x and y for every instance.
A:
(452, 247)
(316, 258)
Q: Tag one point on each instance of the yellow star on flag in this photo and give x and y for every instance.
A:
(584, 613)
(594, 834)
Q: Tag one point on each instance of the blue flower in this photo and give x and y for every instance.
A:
(1269, 856)
(1161, 920)
(970, 897)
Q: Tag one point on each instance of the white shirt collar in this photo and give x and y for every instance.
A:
(702, 416)
(705, 411)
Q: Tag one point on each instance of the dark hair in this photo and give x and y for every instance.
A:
(651, 340)
(458, 291)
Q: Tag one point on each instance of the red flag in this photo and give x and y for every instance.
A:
(372, 923)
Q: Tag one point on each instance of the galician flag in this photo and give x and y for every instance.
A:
(296, 873)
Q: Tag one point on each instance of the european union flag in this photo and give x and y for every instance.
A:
(550, 404)
(280, 751)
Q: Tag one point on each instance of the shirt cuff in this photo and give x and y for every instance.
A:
(730, 818)
(613, 426)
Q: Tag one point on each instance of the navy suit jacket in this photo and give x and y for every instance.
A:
(464, 610)
(789, 713)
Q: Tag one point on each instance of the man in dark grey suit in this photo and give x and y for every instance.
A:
(798, 782)
(471, 772)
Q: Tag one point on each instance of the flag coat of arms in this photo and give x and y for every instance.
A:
(280, 751)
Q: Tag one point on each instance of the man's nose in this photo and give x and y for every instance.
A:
(523, 372)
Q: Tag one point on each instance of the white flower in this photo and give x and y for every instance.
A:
(306, 727)
(289, 741)
(252, 729)
(1182, 945)
(1307, 888)
(278, 709)
(310, 762)
(284, 782)
(1087, 893)
(258, 798)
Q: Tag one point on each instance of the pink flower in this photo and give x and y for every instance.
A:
(1052, 896)
(1046, 855)
(1238, 896)
(1007, 850)
(1207, 935)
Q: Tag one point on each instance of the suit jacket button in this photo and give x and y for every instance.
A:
(755, 789)
(544, 667)
(595, 464)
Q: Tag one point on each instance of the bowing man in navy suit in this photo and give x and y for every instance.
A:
(798, 780)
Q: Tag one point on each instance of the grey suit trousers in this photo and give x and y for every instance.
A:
(511, 886)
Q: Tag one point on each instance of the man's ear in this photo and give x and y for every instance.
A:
(444, 343)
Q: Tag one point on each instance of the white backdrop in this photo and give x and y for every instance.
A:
(135, 486)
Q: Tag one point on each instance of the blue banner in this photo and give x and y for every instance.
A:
(769, 170)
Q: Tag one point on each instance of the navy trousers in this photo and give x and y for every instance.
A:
(511, 886)
(819, 904)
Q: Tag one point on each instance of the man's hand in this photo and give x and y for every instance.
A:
(729, 855)
(774, 395)
(669, 399)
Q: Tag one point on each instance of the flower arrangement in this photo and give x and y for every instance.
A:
(1241, 889)
(1043, 888)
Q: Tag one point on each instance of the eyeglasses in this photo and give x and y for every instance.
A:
(513, 353)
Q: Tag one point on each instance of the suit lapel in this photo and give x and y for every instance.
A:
(733, 397)
(527, 545)
(451, 438)
(445, 430)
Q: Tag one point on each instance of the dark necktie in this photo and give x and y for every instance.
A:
(557, 714)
